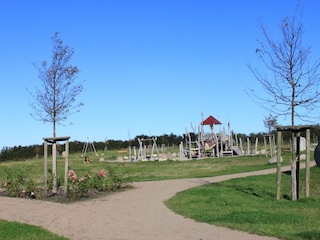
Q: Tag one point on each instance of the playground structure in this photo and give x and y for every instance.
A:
(200, 144)
(87, 147)
(144, 152)
(210, 144)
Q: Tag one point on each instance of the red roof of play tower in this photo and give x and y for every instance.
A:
(210, 121)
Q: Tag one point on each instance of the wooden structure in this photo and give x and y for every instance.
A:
(199, 145)
(193, 146)
(295, 159)
(53, 141)
(211, 121)
(142, 152)
(91, 147)
(271, 139)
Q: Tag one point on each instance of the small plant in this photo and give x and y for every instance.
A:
(59, 180)
(17, 185)
(102, 181)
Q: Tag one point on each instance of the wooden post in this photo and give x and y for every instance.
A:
(293, 170)
(54, 141)
(45, 164)
(278, 185)
(274, 144)
(265, 145)
(54, 167)
(307, 190)
(295, 132)
(256, 146)
(298, 138)
(270, 144)
(66, 165)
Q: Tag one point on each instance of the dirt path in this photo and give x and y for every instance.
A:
(137, 214)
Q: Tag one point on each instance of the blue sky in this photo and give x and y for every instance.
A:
(150, 67)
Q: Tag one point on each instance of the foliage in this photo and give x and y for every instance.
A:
(270, 122)
(79, 187)
(29, 152)
(16, 183)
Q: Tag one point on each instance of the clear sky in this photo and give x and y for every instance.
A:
(150, 67)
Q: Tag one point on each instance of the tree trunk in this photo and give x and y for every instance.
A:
(54, 159)
(293, 170)
(54, 167)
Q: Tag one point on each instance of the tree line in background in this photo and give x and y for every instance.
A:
(22, 153)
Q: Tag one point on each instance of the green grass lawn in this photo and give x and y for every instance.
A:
(145, 171)
(249, 204)
(20, 231)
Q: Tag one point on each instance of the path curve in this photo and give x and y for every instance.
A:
(137, 214)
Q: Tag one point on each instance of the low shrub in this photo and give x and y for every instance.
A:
(79, 187)
(16, 184)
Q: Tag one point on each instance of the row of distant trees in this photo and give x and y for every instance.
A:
(34, 151)
(22, 153)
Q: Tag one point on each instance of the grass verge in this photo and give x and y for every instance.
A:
(20, 231)
(249, 204)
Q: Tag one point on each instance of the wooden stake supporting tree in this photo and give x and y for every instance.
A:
(295, 159)
(54, 141)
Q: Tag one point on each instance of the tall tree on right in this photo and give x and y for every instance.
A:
(292, 86)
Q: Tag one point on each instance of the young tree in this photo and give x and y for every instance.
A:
(270, 122)
(55, 99)
(292, 88)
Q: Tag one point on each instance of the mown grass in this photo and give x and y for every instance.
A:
(249, 204)
(147, 171)
(20, 231)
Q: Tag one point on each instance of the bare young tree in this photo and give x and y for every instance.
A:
(55, 99)
(292, 86)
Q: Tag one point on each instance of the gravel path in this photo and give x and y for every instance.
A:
(137, 214)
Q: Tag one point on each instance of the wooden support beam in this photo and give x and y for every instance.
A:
(278, 184)
(45, 164)
(66, 165)
(307, 186)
